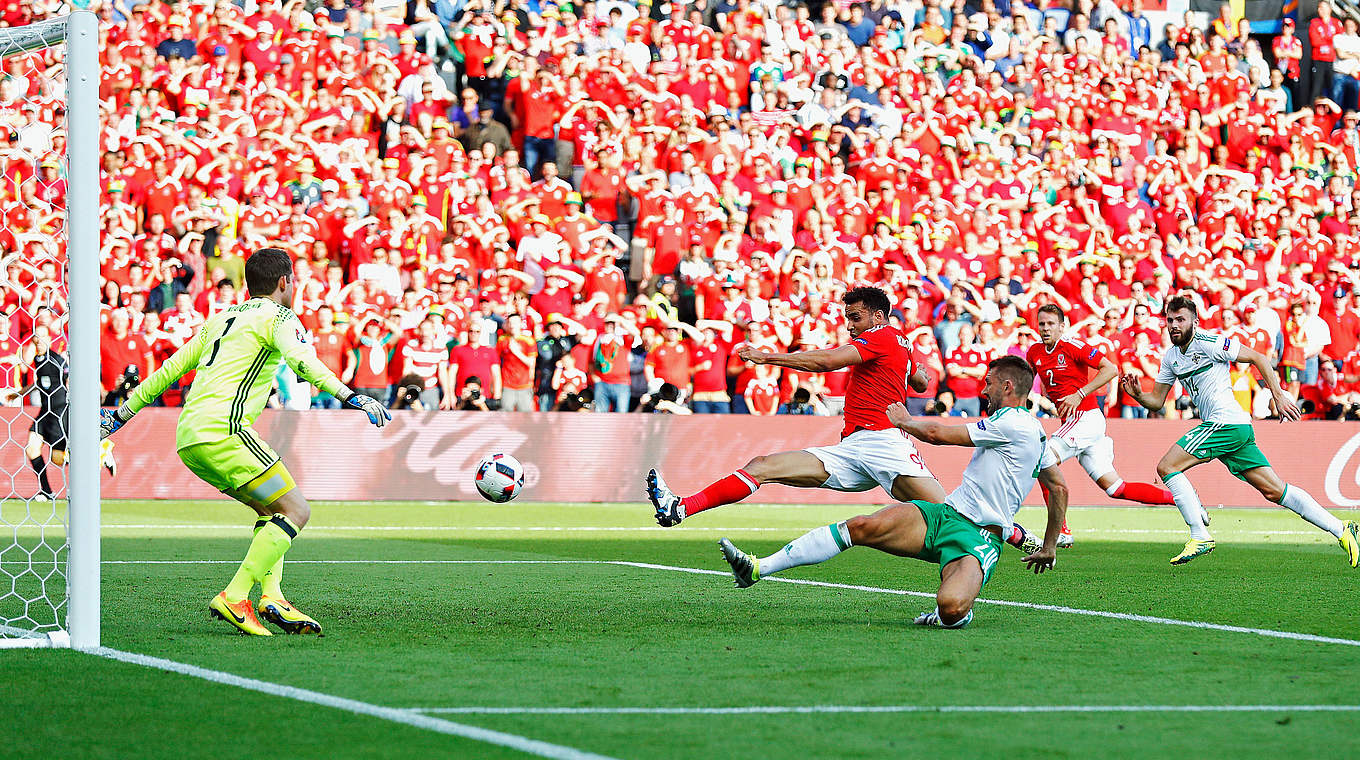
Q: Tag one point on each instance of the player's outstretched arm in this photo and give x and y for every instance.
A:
(1284, 405)
(288, 339)
(1153, 400)
(929, 431)
(1055, 498)
(820, 360)
(150, 389)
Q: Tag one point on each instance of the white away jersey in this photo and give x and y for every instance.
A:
(1003, 468)
(1203, 370)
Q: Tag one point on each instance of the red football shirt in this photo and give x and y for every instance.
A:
(1064, 370)
(879, 381)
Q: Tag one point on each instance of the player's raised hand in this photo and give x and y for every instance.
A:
(751, 354)
(898, 414)
(377, 414)
(1042, 560)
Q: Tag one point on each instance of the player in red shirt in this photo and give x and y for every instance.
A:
(1064, 367)
(872, 452)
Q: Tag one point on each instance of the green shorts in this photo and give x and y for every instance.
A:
(241, 466)
(951, 536)
(1233, 445)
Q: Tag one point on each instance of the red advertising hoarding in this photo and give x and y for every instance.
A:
(338, 456)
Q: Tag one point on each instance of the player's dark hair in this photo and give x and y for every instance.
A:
(1054, 309)
(264, 268)
(1015, 369)
(873, 298)
(1180, 303)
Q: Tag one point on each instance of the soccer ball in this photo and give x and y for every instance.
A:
(499, 477)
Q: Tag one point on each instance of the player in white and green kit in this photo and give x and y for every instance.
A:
(234, 357)
(1200, 362)
(963, 534)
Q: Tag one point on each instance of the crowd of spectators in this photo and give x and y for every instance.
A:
(523, 205)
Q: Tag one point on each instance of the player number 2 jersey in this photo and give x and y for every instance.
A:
(1066, 369)
(878, 381)
(1204, 371)
(1005, 464)
(234, 356)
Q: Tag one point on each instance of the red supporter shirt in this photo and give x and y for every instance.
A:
(516, 374)
(1064, 370)
(116, 355)
(712, 379)
(611, 358)
(965, 386)
(879, 381)
(473, 361)
(330, 349)
(671, 363)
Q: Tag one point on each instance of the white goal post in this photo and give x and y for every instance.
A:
(75, 38)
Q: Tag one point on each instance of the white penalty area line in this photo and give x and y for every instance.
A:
(840, 709)
(1267, 632)
(395, 715)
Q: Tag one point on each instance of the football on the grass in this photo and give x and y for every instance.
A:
(499, 477)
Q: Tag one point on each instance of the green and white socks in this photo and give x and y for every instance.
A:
(818, 545)
(1304, 505)
(1187, 501)
(1295, 499)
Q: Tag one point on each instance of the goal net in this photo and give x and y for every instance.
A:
(49, 333)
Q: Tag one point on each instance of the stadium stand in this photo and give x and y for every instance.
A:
(591, 205)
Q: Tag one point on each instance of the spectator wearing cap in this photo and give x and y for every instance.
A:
(1288, 51)
(176, 44)
(305, 188)
(557, 343)
(369, 366)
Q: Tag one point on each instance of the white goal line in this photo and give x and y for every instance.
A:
(1267, 632)
(395, 715)
(841, 709)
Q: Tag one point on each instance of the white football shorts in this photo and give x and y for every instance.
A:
(1082, 437)
(868, 458)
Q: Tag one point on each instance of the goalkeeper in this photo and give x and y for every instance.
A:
(234, 356)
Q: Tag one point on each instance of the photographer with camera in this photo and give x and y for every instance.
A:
(470, 399)
(409, 394)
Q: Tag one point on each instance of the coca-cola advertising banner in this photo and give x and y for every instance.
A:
(339, 456)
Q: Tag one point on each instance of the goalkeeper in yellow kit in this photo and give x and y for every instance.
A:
(234, 356)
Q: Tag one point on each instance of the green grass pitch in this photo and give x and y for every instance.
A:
(520, 606)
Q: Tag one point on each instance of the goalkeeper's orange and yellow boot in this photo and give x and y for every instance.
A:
(278, 611)
(239, 614)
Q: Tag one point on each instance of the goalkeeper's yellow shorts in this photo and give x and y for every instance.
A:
(241, 466)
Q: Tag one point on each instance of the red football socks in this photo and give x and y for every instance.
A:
(728, 490)
(1147, 493)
